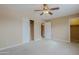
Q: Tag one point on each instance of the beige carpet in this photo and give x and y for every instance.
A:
(43, 47)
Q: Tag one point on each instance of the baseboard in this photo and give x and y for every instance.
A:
(66, 41)
(11, 46)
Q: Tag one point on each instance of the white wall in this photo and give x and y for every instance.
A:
(10, 32)
(26, 30)
(61, 29)
(37, 30)
(48, 32)
(10, 28)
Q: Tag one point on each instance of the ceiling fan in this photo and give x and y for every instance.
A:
(46, 10)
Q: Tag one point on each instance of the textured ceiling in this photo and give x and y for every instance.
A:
(28, 10)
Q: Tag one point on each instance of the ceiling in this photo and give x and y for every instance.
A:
(28, 10)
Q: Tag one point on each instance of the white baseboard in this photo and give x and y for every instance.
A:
(66, 41)
(11, 46)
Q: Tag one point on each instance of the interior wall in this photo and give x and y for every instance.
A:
(10, 28)
(10, 32)
(48, 32)
(61, 29)
(37, 30)
(74, 21)
(26, 30)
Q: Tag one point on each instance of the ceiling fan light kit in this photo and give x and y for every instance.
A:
(45, 11)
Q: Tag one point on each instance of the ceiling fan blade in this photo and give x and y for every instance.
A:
(42, 13)
(54, 8)
(50, 13)
(38, 10)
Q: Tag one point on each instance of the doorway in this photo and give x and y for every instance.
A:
(74, 30)
(32, 29)
(42, 30)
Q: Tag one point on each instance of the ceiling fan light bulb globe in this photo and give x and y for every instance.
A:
(45, 11)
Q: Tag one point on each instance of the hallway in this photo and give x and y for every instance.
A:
(43, 47)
